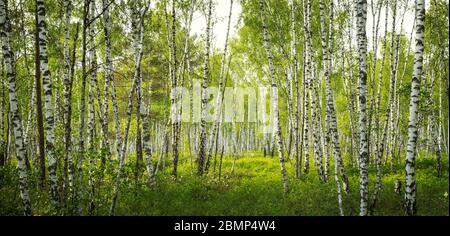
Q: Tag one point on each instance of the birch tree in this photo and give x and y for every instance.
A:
(331, 114)
(82, 108)
(136, 80)
(48, 100)
(68, 166)
(8, 57)
(174, 104)
(218, 111)
(274, 95)
(39, 112)
(410, 182)
(306, 86)
(142, 106)
(294, 68)
(361, 15)
(109, 79)
(202, 148)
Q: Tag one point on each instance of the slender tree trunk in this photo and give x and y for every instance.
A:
(353, 102)
(439, 134)
(375, 27)
(91, 107)
(8, 56)
(104, 143)
(202, 148)
(296, 83)
(164, 149)
(136, 29)
(274, 97)
(68, 168)
(30, 121)
(306, 82)
(110, 74)
(392, 86)
(48, 102)
(67, 94)
(410, 185)
(290, 118)
(82, 109)
(331, 114)
(39, 112)
(381, 140)
(379, 143)
(108, 70)
(3, 152)
(143, 108)
(361, 14)
(220, 163)
(313, 96)
(395, 111)
(174, 104)
(136, 80)
(218, 111)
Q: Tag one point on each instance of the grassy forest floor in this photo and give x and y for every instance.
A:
(253, 189)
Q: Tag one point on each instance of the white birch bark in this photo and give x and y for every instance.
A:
(410, 183)
(331, 114)
(361, 14)
(136, 80)
(16, 123)
(48, 101)
(294, 68)
(274, 96)
(68, 166)
(174, 105)
(306, 71)
(202, 147)
(218, 111)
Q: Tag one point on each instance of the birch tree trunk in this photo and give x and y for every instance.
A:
(91, 108)
(82, 109)
(138, 143)
(313, 96)
(274, 97)
(202, 147)
(186, 72)
(380, 141)
(290, 116)
(392, 86)
(2, 116)
(361, 14)
(68, 168)
(218, 111)
(410, 185)
(143, 108)
(375, 27)
(48, 100)
(39, 114)
(395, 109)
(146, 141)
(174, 104)
(331, 114)
(8, 57)
(136, 80)
(306, 82)
(109, 78)
(294, 69)
(353, 105)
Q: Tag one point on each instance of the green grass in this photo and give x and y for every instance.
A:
(253, 189)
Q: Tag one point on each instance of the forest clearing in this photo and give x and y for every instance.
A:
(224, 107)
(250, 190)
